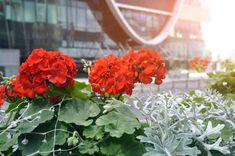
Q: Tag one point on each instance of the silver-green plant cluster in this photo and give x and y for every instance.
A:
(180, 124)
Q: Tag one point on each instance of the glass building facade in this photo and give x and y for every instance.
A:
(51, 24)
(82, 29)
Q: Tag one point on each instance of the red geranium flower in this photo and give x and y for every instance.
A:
(58, 73)
(110, 75)
(37, 56)
(199, 64)
(41, 69)
(2, 94)
(205, 62)
(14, 89)
(146, 64)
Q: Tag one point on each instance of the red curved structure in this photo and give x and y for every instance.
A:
(115, 22)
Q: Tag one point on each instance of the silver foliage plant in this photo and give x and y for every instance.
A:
(180, 124)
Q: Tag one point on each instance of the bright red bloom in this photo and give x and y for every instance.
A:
(146, 64)
(2, 94)
(199, 64)
(71, 65)
(41, 69)
(110, 75)
(37, 56)
(194, 62)
(205, 62)
(58, 73)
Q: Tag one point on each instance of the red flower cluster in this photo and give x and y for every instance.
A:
(42, 69)
(198, 63)
(2, 94)
(111, 75)
(115, 75)
(146, 64)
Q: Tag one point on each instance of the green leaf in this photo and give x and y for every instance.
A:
(119, 122)
(77, 91)
(80, 85)
(232, 149)
(94, 132)
(13, 106)
(87, 147)
(216, 153)
(124, 146)
(230, 96)
(79, 94)
(78, 111)
(223, 82)
(112, 104)
(39, 111)
(73, 140)
(43, 142)
(198, 99)
(7, 139)
(112, 149)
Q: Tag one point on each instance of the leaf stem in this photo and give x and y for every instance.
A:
(7, 122)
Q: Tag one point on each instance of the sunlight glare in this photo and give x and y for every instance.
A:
(219, 34)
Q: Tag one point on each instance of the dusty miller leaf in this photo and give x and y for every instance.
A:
(167, 144)
(190, 114)
(216, 146)
(211, 130)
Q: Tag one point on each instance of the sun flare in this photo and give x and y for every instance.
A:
(219, 33)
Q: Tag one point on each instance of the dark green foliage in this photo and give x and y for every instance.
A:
(78, 125)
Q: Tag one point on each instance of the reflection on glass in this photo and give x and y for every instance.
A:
(29, 13)
(147, 25)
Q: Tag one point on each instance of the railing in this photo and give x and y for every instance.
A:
(172, 85)
(168, 85)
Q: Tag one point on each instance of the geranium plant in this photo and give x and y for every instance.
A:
(49, 113)
(199, 64)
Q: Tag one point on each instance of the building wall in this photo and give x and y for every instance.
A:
(9, 61)
(51, 24)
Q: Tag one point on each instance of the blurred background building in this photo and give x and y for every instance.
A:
(89, 29)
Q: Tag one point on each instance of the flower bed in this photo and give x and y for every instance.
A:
(51, 114)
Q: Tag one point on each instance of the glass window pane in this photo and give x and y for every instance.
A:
(62, 15)
(8, 12)
(18, 11)
(41, 12)
(29, 11)
(92, 25)
(1, 8)
(81, 18)
(52, 14)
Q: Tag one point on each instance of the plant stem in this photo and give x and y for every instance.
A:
(16, 114)
(119, 96)
(7, 122)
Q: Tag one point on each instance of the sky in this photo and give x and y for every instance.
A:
(219, 33)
